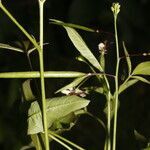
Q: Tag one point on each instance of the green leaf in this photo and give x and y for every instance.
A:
(142, 69)
(73, 84)
(126, 85)
(61, 23)
(99, 90)
(127, 59)
(6, 46)
(35, 124)
(141, 79)
(57, 108)
(62, 106)
(82, 47)
(27, 91)
(65, 123)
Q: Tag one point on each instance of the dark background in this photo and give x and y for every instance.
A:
(133, 22)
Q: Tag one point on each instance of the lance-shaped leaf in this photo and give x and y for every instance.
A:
(61, 23)
(142, 69)
(81, 46)
(127, 59)
(141, 79)
(57, 108)
(73, 84)
(7, 46)
(129, 83)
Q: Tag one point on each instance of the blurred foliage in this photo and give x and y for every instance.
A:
(134, 22)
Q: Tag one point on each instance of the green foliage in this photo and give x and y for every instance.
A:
(141, 79)
(127, 59)
(27, 91)
(8, 47)
(57, 108)
(73, 84)
(75, 26)
(81, 46)
(127, 85)
(59, 114)
(142, 69)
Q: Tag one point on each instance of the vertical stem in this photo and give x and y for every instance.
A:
(116, 84)
(108, 123)
(41, 5)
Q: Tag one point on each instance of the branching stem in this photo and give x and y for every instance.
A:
(116, 84)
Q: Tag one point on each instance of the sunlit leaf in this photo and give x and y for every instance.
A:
(73, 84)
(35, 124)
(6, 46)
(127, 84)
(57, 108)
(82, 47)
(27, 91)
(142, 69)
(141, 79)
(61, 23)
(127, 59)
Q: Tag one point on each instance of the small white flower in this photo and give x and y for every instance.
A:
(101, 46)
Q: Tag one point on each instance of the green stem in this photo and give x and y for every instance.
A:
(44, 114)
(96, 118)
(108, 123)
(65, 140)
(19, 26)
(47, 74)
(116, 84)
(108, 97)
(60, 142)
